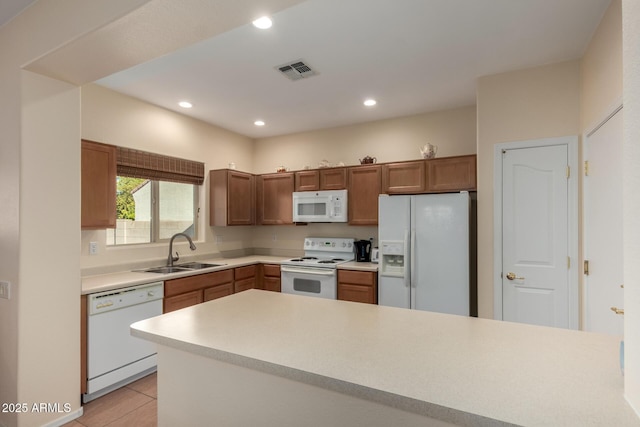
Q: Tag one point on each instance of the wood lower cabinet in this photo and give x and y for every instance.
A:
(191, 290)
(244, 278)
(358, 286)
(364, 189)
(404, 177)
(271, 277)
(231, 198)
(98, 182)
(275, 198)
(451, 174)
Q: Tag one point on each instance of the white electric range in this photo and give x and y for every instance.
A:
(315, 274)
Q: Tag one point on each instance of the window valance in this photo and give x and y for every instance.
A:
(141, 164)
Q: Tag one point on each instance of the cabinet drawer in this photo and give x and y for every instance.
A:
(356, 293)
(181, 301)
(367, 278)
(200, 281)
(272, 270)
(218, 292)
(245, 272)
(244, 284)
(272, 284)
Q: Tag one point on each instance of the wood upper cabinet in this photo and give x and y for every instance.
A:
(275, 198)
(404, 177)
(307, 180)
(451, 174)
(98, 172)
(364, 189)
(358, 286)
(321, 179)
(231, 198)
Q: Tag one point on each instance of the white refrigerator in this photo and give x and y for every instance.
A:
(424, 252)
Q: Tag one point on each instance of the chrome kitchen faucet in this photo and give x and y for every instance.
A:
(171, 259)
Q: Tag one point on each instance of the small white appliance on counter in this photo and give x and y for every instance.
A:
(315, 274)
(424, 252)
(114, 357)
(320, 206)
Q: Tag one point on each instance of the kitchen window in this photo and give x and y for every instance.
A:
(156, 197)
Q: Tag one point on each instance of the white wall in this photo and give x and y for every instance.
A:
(453, 131)
(113, 118)
(631, 206)
(526, 104)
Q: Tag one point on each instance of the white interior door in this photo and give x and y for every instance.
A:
(535, 235)
(603, 228)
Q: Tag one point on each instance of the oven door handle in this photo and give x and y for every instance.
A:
(316, 271)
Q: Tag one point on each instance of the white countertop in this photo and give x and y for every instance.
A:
(363, 266)
(463, 370)
(109, 281)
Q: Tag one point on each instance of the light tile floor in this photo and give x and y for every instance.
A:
(134, 405)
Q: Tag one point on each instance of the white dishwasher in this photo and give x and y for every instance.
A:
(114, 357)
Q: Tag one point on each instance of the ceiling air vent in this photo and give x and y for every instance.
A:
(296, 70)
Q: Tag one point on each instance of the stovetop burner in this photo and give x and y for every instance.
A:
(325, 252)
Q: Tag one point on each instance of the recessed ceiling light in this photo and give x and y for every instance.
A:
(258, 123)
(263, 23)
(370, 102)
(185, 104)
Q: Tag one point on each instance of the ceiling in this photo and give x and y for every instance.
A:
(412, 56)
(11, 8)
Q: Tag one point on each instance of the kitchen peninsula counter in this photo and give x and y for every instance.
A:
(263, 358)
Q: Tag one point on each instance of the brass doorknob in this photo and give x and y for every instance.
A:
(512, 276)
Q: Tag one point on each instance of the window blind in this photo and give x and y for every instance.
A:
(141, 164)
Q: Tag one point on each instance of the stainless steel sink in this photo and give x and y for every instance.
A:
(198, 265)
(187, 266)
(165, 270)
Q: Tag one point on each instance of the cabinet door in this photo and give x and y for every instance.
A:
(307, 180)
(218, 292)
(275, 198)
(364, 189)
(333, 179)
(451, 174)
(98, 173)
(181, 301)
(404, 178)
(231, 198)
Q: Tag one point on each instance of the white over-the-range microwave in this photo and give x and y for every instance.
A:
(320, 206)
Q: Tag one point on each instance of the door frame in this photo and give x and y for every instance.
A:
(571, 142)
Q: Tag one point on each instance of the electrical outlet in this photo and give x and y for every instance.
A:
(218, 238)
(5, 289)
(274, 237)
(93, 248)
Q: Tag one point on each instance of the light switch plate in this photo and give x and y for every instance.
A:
(5, 289)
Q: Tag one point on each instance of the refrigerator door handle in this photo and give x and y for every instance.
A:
(407, 275)
(413, 258)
